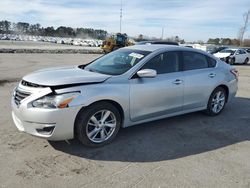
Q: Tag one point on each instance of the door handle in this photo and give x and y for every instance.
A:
(211, 75)
(177, 82)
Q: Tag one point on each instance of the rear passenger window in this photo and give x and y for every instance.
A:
(242, 51)
(193, 60)
(164, 63)
(211, 62)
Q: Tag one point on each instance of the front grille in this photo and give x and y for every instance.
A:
(225, 59)
(19, 96)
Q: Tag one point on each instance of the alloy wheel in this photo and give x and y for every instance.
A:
(218, 102)
(101, 126)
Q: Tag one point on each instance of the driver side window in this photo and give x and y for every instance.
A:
(164, 63)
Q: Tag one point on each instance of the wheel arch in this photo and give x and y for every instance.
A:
(225, 87)
(116, 104)
(246, 60)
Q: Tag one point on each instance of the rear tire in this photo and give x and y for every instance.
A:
(216, 102)
(97, 124)
(246, 61)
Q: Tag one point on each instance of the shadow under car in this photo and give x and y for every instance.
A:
(171, 138)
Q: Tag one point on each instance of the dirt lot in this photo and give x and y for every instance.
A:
(192, 150)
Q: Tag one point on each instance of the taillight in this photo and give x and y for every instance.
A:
(235, 72)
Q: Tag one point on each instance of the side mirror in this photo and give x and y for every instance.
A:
(147, 73)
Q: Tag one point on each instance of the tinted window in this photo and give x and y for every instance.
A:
(228, 51)
(194, 60)
(241, 51)
(211, 62)
(164, 63)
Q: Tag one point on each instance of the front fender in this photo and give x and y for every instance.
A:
(117, 92)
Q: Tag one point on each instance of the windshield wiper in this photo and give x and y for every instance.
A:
(91, 70)
(100, 72)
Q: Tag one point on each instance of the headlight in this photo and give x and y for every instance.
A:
(55, 101)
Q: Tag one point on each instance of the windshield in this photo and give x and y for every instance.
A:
(228, 51)
(117, 62)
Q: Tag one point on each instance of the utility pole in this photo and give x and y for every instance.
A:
(121, 18)
(162, 33)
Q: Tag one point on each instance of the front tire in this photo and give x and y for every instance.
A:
(216, 102)
(246, 61)
(97, 124)
(231, 61)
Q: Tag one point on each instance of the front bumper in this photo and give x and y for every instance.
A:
(51, 124)
(226, 59)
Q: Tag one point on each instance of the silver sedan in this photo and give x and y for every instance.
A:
(129, 86)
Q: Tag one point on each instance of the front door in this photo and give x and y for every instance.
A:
(161, 95)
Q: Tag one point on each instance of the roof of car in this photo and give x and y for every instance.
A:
(154, 47)
(157, 42)
(234, 48)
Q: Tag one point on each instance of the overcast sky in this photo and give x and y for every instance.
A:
(189, 19)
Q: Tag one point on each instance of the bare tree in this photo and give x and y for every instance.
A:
(243, 29)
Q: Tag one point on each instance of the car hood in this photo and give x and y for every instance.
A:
(222, 55)
(64, 76)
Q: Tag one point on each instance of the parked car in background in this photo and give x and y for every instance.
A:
(58, 40)
(233, 55)
(126, 87)
(216, 49)
(247, 49)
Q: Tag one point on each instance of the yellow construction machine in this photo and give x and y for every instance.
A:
(115, 41)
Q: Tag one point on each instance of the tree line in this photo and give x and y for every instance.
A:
(7, 27)
(229, 42)
(177, 39)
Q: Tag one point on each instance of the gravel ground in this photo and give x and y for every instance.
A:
(191, 150)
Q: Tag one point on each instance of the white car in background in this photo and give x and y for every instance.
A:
(233, 55)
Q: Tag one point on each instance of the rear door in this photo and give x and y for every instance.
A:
(199, 79)
(240, 56)
(161, 95)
